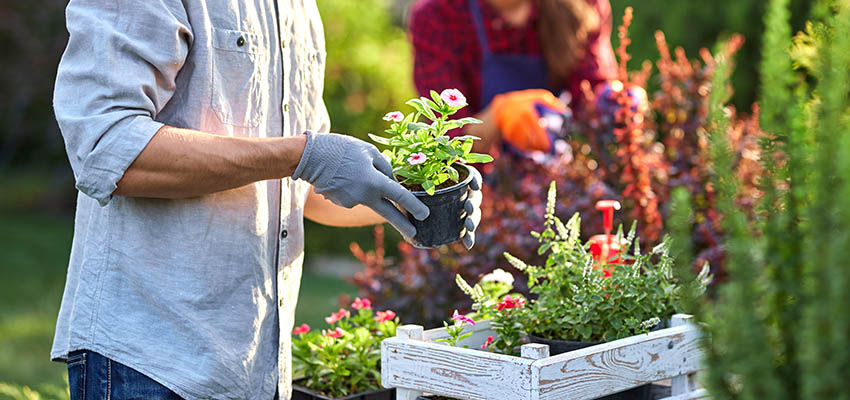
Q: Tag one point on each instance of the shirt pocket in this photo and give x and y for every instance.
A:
(237, 77)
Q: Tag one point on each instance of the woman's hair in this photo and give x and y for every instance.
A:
(564, 28)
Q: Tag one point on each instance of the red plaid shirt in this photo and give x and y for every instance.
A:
(447, 53)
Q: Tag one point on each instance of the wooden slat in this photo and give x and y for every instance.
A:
(696, 394)
(454, 372)
(612, 367)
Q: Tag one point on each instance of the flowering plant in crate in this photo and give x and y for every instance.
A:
(343, 359)
(422, 154)
(583, 298)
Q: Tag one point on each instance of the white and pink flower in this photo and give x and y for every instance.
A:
(395, 116)
(462, 318)
(453, 97)
(342, 313)
(384, 316)
(304, 328)
(360, 304)
(417, 158)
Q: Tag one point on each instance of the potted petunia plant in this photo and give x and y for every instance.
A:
(433, 165)
(343, 361)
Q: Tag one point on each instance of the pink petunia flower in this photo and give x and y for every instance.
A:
(395, 116)
(417, 158)
(384, 316)
(337, 316)
(509, 302)
(487, 343)
(304, 328)
(453, 97)
(361, 304)
(336, 333)
(462, 318)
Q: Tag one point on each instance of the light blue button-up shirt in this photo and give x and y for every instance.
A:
(198, 294)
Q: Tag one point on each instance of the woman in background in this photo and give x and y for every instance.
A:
(511, 58)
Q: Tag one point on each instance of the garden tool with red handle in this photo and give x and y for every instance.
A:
(605, 248)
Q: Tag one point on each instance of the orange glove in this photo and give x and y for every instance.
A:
(517, 116)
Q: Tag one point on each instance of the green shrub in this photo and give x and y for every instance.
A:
(778, 329)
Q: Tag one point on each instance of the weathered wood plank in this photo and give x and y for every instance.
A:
(696, 394)
(612, 367)
(683, 384)
(455, 372)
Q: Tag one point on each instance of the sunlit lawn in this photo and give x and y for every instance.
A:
(34, 253)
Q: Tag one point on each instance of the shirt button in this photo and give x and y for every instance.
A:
(240, 42)
(280, 302)
(285, 107)
(284, 233)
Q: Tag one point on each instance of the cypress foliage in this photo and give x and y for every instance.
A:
(779, 328)
(825, 341)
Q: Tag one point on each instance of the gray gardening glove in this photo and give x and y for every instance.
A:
(349, 171)
(473, 209)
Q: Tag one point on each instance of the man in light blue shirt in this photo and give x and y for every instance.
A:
(189, 125)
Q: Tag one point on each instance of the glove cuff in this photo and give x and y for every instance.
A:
(305, 157)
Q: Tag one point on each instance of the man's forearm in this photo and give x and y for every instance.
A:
(179, 163)
(321, 210)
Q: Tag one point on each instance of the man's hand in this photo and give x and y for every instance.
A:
(518, 118)
(473, 209)
(349, 171)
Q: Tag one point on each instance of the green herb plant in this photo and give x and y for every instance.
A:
(576, 301)
(421, 153)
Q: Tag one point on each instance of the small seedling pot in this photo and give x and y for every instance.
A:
(643, 392)
(445, 224)
(302, 393)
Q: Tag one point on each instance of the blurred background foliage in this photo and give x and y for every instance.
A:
(368, 73)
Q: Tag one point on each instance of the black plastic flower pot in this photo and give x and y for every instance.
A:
(445, 224)
(643, 392)
(302, 393)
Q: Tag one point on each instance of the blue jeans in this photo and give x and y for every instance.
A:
(93, 376)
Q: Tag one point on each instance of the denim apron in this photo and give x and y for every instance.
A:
(502, 73)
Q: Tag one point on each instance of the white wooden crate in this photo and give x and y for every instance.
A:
(413, 363)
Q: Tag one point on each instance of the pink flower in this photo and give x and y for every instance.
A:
(384, 316)
(304, 328)
(509, 302)
(395, 116)
(462, 318)
(336, 333)
(487, 343)
(337, 316)
(417, 158)
(453, 97)
(361, 304)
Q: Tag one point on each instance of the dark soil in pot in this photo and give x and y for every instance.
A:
(302, 393)
(643, 392)
(445, 224)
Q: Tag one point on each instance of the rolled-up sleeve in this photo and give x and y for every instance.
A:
(118, 72)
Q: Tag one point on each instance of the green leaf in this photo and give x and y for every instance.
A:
(428, 186)
(452, 173)
(379, 139)
(478, 158)
(467, 147)
(470, 120)
(436, 97)
(415, 126)
(416, 104)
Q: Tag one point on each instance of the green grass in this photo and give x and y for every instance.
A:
(34, 252)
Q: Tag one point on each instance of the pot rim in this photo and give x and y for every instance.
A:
(464, 182)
